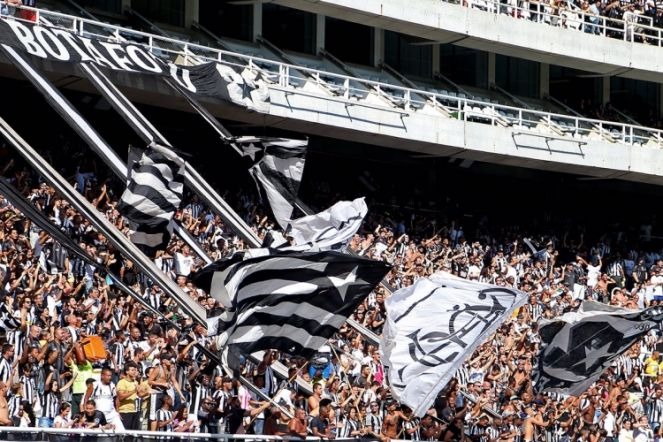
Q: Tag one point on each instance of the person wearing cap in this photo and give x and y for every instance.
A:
(223, 391)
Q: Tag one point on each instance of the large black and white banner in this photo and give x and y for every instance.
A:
(435, 325)
(578, 346)
(292, 301)
(243, 86)
(153, 194)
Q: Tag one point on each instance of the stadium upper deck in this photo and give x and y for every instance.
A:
(316, 92)
(622, 44)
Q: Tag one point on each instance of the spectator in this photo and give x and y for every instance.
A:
(127, 397)
(93, 418)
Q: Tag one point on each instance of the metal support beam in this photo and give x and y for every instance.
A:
(99, 221)
(148, 133)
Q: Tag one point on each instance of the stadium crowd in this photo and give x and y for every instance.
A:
(616, 19)
(153, 374)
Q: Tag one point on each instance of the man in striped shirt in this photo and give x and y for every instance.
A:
(6, 362)
(654, 408)
(165, 416)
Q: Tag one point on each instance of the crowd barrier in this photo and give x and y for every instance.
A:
(87, 435)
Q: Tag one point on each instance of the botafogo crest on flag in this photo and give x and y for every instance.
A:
(433, 326)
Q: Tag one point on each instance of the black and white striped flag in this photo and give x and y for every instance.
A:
(7, 320)
(286, 300)
(278, 172)
(153, 194)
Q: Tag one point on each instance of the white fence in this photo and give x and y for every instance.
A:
(355, 91)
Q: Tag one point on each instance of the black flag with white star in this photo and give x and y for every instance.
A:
(579, 346)
(286, 300)
(278, 171)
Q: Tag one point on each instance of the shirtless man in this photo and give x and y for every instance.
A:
(390, 423)
(297, 426)
(160, 379)
(532, 420)
(4, 414)
(314, 400)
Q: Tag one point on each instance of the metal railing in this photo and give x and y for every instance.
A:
(355, 91)
(633, 26)
(92, 435)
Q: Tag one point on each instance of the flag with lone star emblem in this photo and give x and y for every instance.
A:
(578, 346)
(286, 300)
(433, 326)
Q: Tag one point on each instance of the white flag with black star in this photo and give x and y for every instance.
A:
(286, 300)
(578, 346)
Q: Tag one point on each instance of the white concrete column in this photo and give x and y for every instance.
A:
(435, 59)
(257, 20)
(544, 80)
(191, 12)
(491, 69)
(605, 90)
(320, 29)
(378, 46)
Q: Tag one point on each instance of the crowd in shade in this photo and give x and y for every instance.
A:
(153, 372)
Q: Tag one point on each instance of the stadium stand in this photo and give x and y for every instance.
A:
(155, 373)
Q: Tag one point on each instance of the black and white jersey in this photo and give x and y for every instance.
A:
(164, 415)
(50, 405)
(5, 370)
(374, 423)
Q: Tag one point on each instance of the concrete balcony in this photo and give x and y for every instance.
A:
(493, 31)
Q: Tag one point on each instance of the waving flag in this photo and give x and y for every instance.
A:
(278, 171)
(153, 194)
(331, 228)
(435, 325)
(578, 346)
(287, 300)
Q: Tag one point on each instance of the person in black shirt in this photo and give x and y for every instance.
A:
(93, 418)
(320, 424)
(209, 416)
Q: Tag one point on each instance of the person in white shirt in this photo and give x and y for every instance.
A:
(609, 420)
(183, 261)
(104, 393)
(62, 420)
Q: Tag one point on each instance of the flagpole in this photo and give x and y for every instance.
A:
(271, 400)
(281, 388)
